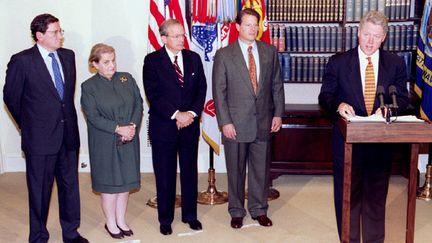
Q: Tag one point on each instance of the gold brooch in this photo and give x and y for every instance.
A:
(123, 79)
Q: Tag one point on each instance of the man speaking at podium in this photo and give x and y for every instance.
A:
(349, 89)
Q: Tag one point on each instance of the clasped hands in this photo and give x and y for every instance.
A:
(184, 119)
(127, 132)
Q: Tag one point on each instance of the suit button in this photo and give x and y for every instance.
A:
(63, 105)
(62, 120)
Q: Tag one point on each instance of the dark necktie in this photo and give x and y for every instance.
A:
(57, 76)
(178, 71)
(252, 70)
(369, 92)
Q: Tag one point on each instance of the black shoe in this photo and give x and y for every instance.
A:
(79, 239)
(263, 220)
(125, 232)
(194, 224)
(236, 222)
(165, 229)
(115, 236)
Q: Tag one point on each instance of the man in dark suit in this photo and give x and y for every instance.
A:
(39, 93)
(344, 94)
(175, 87)
(249, 100)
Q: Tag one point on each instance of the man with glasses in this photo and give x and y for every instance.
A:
(39, 93)
(175, 87)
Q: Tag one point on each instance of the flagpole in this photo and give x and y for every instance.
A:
(425, 192)
(211, 196)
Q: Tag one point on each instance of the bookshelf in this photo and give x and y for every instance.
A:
(307, 32)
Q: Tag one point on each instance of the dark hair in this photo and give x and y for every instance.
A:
(40, 24)
(247, 11)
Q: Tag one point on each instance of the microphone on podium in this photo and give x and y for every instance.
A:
(380, 93)
(393, 94)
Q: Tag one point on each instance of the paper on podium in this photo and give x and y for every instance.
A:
(379, 118)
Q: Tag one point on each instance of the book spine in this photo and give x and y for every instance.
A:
(381, 5)
(288, 38)
(403, 34)
(349, 10)
(415, 36)
(357, 10)
(293, 75)
(339, 38)
(281, 42)
(409, 37)
(300, 39)
(397, 38)
(391, 37)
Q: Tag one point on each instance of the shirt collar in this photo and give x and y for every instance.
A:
(172, 55)
(44, 52)
(363, 56)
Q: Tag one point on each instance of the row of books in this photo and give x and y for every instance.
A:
(310, 69)
(393, 9)
(302, 69)
(400, 37)
(305, 10)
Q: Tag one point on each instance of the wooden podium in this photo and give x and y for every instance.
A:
(365, 132)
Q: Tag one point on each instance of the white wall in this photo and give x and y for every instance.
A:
(120, 23)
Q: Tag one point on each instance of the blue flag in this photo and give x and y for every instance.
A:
(423, 86)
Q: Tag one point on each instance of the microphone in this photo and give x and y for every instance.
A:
(393, 94)
(380, 92)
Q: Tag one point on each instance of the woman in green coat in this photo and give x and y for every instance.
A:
(113, 107)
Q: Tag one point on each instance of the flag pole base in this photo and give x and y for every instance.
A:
(152, 202)
(425, 192)
(211, 196)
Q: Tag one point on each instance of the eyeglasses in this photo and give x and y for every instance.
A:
(177, 37)
(55, 32)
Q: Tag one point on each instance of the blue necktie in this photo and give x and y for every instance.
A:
(57, 76)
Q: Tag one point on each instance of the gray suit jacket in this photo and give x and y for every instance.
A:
(234, 98)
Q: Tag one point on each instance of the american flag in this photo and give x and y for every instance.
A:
(161, 10)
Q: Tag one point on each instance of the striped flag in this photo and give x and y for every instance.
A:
(159, 11)
(205, 43)
(423, 86)
(264, 32)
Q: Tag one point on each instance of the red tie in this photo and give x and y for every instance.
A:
(252, 70)
(178, 71)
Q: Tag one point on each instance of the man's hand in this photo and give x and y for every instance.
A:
(346, 111)
(183, 119)
(276, 124)
(127, 132)
(229, 131)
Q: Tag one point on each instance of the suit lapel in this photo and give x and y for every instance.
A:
(355, 75)
(64, 64)
(241, 66)
(382, 74)
(263, 59)
(42, 70)
(167, 66)
(187, 68)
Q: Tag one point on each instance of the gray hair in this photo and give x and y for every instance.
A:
(166, 24)
(377, 18)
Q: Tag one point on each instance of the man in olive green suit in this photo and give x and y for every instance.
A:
(248, 112)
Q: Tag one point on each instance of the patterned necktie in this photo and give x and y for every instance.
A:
(369, 92)
(252, 70)
(57, 76)
(178, 72)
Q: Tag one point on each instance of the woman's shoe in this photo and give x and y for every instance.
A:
(125, 232)
(115, 236)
